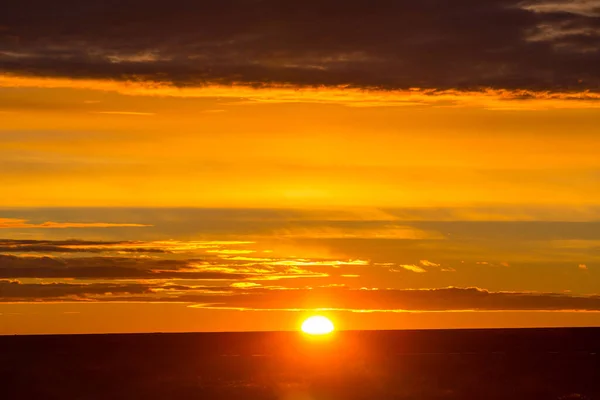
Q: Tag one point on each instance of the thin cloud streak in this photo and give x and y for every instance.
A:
(16, 223)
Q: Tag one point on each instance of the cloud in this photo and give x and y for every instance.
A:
(201, 260)
(443, 299)
(16, 223)
(422, 267)
(15, 290)
(410, 267)
(218, 267)
(427, 263)
(109, 268)
(541, 46)
(245, 93)
(245, 285)
(80, 246)
(588, 8)
(252, 297)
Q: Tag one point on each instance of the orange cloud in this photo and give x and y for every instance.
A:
(492, 99)
(412, 268)
(245, 285)
(427, 263)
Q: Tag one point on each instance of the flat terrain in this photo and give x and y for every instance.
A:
(461, 364)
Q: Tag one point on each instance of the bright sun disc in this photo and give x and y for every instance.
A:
(317, 326)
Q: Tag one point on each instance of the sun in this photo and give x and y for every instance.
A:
(317, 325)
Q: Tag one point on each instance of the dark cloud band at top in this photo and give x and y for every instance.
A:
(389, 44)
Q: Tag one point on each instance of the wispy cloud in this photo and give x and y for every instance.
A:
(126, 260)
(588, 8)
(427, 263)
(492, 99)
(15, 223)
(408, 267)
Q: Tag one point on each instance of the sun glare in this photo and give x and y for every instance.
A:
(317, 325)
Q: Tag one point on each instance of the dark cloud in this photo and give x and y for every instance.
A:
(72, 242)
(11, 223)
(14, 290)
(108, 268)
(72, 246)
(389, 300)
(121, 267)
(464, 44)
(59, 249)
(297, 299)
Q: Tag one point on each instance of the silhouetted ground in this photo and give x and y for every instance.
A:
(463, 364)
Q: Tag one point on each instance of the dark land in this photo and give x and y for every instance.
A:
(453, 364)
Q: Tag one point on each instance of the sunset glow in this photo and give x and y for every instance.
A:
(300, 200)
(317, 325)
(231, 165)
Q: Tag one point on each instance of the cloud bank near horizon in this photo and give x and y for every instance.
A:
(277, 298)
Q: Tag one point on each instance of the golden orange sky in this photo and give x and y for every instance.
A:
(245, 175)
(109, 149)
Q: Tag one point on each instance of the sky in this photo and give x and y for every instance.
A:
(239, 165)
